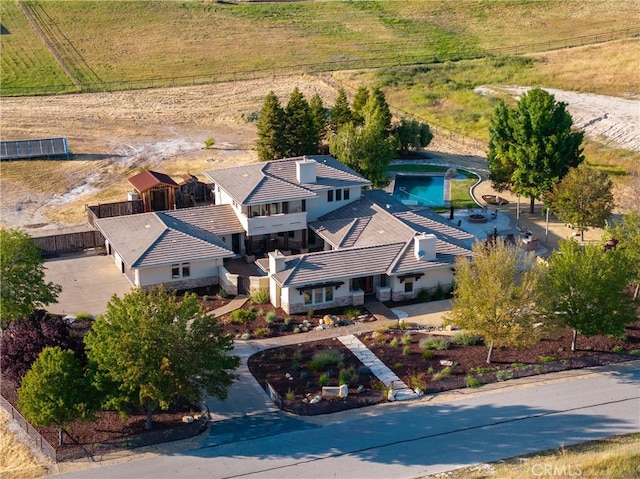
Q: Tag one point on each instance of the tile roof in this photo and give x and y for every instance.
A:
(158, 238)
(260, 183)
(346, 263)
(148, 179)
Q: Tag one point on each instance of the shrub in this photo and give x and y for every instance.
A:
(547, 359)
(617, 349)
(517, 364)
(406, 339)
(635, 352)
(297, 355)
(209, 142)
(439, 293)
(428, 354)
(482, 370)
(260, 296)
(398, 366)
(288, 321)
(352, 313)
(242, 316)
(348, 376)
(418, 381)
(206, 297)
(304, 375)
(424, 295)
(464, 338)
(323, 380)
(271, 316)
(443, 373)
(406, 351)
(322, 360)
(473, 382)
(394, 343)
(504, 375)
(222, 294)
(261, 332)
(289, 395)
(434, 342)
(83, 316)
(310, 313)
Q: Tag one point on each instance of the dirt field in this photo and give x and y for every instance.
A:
(113, 135)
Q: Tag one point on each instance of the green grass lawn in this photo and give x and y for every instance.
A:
(198, 41)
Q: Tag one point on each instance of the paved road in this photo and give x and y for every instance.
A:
(406, 440)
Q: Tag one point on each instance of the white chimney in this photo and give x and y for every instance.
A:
(306, 170)
(424, 247)
(276, 262)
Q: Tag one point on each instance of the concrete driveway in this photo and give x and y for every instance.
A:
(88, 281)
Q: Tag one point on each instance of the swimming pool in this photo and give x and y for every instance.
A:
(423, 190)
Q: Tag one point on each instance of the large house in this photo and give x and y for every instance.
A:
(319, 237)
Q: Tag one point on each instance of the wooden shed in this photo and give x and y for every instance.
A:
(157, 190)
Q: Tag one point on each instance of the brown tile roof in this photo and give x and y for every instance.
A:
(148, 179)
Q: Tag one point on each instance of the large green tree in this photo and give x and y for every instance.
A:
(55, 390)
(151, 350)
(584, 198)
(360, 99)
(341, 112)
(301, 133)
(412, 134)
(496, 295)
(319, 115)
(271, 144)
(532, 146)
(369, 148)
(626, 233)
(23, 288)
(584, 289)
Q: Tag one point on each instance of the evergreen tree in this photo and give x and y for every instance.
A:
(532, 147)
(301, 135)
(340, 113)
(271, 144)
(412, 134)
(319, 114)
(380, 101)
(360, 99)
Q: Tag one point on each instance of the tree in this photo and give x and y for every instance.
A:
(379, 102)
(532, 147)
(150, 350)
(583, 289)
(340, 113)
(23, 341)
(626, 233)
(55, 390)
(584, 197)
(271, 143)
(496, 294)
(360, 99)
(319, 115)
(412, 134)
(301, 134)
(22, 287)
(368, 149)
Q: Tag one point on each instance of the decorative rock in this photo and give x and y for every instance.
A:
(360, 388)
(446, 362)
(245, 336)
(344, 391)
(315, 400)
(391, 395)
(419, 391)
(328, 320)
(187, 419)
(304, 329)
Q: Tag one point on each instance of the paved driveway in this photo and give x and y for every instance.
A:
(88, 282)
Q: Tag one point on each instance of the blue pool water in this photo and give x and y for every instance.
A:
(424, 190)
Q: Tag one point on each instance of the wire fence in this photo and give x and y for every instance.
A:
(391, 59)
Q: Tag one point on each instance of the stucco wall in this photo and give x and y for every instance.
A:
(202, 273)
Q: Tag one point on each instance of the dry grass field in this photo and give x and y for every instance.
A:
(17, 460)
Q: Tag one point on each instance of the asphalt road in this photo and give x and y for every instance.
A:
(409, 440)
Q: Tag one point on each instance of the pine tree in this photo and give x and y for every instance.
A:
(319, 114)
(300, 133)
(340, 113)
(271, 144)
(359, 101)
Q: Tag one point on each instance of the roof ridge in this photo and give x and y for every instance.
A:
(400, 254)
(142, 255)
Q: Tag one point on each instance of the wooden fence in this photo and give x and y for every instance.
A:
(109, 210)
(40, 441)
(69, 242)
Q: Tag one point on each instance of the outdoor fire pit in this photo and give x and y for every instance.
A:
(478, 218)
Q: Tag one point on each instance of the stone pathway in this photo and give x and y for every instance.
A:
(377, 367)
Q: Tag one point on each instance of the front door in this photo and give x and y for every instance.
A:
(368, 285)
(235, 243)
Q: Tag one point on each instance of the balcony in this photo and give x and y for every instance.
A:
(275, 224)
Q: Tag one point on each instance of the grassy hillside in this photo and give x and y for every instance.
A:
(199, 41)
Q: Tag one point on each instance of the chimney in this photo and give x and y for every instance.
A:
(424, 247)
(306, 170)
(276, 262)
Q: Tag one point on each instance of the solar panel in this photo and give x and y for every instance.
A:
(40, 148)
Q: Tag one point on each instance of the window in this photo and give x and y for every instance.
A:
(318, 295)
(408, 285)
(186, 270)
(285, 207)
(304, 205)
(292, 234)
(338, 195)
(175, 270)
(330, 196)
(346, 193)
